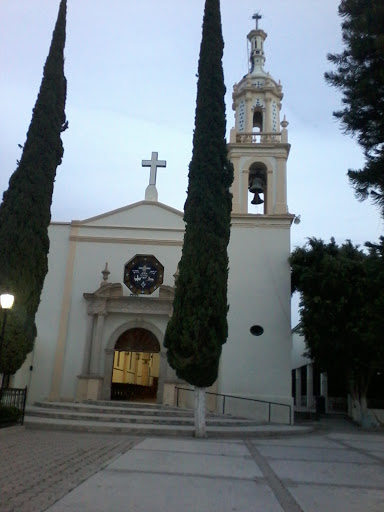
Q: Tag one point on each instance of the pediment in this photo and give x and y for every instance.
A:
(143, 214)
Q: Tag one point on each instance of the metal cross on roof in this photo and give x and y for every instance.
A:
(257, 17)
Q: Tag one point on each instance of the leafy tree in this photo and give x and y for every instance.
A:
(342, 310)
(198, 327)
(359, 75)
(25, 212)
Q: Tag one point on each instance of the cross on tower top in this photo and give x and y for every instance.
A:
(257, 17)
(153, 163)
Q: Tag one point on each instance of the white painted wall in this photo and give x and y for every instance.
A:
(258, 294)
(109, 238)
(47, 319)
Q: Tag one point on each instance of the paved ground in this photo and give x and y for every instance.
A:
(38, 467)
(337, 468)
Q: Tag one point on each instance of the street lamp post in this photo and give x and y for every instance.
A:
(6, 302)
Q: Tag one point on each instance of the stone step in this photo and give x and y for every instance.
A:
(115, 408)
(139, 405)
(176, 419)
(129, 405)
(163, 430)
(144, 420)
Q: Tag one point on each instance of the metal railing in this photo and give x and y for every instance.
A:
(290, 407)
(332, 404)
(14, 397)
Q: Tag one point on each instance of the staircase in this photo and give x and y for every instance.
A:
(143, 419)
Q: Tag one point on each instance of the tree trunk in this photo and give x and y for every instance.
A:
(200, 427)
(360, 411)
(355, 403)
(363, 402)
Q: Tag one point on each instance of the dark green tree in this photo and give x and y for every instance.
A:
(25, 212)
(342, 310)
(198, 327)
(359, 75)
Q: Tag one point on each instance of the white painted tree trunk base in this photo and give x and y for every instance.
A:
(200, 426)
(360, 412)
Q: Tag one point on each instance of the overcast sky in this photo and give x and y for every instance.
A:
(131, 69)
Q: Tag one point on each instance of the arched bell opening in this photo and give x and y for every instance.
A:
(257, 187)
(257, 123)
(136, 366)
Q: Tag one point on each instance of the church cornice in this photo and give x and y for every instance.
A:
(272, 149)
(130, 228)
(256, 220)
(124, 240)
(270, 86)
(128, 304)
(59, 223)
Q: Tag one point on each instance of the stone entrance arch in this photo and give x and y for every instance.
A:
(136, 366)
(109, 310)
(138, 337)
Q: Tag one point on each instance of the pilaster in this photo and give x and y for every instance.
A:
(108, 369)
(248, 115)
(58, 364)
(309, 386)
(236, 186)
(298, 387)
(324, 388)
(96, 344)
(281, 186)
(268, 116)
(88, 344)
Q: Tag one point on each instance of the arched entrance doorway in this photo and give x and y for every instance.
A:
(136, 366)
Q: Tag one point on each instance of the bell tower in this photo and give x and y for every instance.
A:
(258, 146)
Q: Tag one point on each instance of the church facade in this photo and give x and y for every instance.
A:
(108, 293)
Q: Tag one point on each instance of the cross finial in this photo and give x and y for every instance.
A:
(153, 163)
(257, 16)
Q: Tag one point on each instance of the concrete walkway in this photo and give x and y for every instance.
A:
(338, 469)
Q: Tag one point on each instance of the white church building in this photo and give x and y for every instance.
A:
(101, 327)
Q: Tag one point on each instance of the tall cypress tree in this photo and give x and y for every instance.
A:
(359, 75)
(25, 212)
(198, 327)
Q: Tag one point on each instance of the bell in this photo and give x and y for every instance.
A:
(257, 199)
(257, 186)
